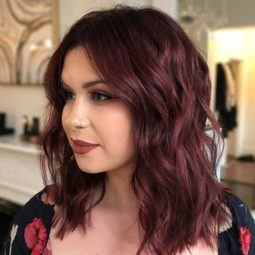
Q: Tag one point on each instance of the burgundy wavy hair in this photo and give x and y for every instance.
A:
(146, 57)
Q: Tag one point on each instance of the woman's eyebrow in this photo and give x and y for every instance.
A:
(85, 85)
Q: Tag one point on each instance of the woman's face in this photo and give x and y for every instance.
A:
(93, 115)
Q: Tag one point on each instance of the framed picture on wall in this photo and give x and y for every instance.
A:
(28, 35)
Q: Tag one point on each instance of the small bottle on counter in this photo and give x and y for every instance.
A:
(25, 123)
(2, 120)
(35, 127)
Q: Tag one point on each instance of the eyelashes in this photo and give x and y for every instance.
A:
(66, 94)
(95, 95)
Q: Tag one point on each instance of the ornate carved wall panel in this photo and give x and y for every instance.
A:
(26, 39)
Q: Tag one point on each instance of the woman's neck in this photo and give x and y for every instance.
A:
(118, 192)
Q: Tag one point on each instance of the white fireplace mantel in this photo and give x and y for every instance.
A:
(20, 176)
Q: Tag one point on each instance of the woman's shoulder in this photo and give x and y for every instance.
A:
(37, 206)
(237, 235)
(32, 223)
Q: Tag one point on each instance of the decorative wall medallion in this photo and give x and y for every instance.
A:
(26, 39)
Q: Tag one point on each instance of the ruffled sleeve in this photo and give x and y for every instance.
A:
(237, 237)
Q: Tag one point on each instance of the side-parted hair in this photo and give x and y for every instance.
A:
(146, 57)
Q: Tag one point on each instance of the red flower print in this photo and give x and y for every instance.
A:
(35, 236)
(244, 240)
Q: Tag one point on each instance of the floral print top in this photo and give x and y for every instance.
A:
(31, 228)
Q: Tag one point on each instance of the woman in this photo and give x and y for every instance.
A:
(131, 169)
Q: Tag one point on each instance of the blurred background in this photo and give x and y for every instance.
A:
(222, 30)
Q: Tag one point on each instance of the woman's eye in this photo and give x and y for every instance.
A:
(67, 95)
(98, 96)
(95, 96)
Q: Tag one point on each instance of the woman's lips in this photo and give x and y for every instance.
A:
(82, 149)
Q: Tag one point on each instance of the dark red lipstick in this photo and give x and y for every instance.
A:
(82, 147)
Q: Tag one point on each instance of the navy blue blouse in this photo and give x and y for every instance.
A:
(31, 228)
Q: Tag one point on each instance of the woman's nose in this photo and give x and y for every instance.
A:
(79, 115)
(79, 122)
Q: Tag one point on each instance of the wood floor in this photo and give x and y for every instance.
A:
(240, 178)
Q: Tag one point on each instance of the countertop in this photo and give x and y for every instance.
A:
(12, 142)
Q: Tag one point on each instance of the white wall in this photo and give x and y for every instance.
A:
(238, 44)
(20, 100)
(238, 13)
(70, 11)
